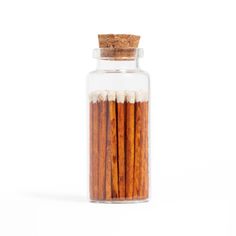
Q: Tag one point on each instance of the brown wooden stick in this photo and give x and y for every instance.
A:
(111, 158)
(130, 145)
(108, 161)
(121, 142)
(146, 171)
(142, 156)
(113, 143)
(144, 151)
(137, 160)
(102, 145)
(91, 173)
(95, 148)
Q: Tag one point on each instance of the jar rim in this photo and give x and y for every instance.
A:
(117, 53)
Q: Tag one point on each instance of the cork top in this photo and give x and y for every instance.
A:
(118, 40)
(118, 46)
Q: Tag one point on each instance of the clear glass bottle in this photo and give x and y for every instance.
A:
(118, 109)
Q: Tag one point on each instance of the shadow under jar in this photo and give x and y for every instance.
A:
(118, 110)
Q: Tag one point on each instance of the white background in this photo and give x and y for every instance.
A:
(45, 54)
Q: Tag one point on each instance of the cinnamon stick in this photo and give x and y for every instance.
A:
(121, 142)
(102, 101)
(130, 144)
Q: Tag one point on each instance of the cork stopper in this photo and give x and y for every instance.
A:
(118, 40)
(118, 46)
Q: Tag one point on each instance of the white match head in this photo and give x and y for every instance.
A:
(141, 96)
(120, 96)
(93, 97)
(145, 96)
(111, 95)
(130, 95)
(102, 95)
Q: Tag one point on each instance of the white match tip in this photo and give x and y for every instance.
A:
(102, 95)
(130, 96)
(93, 97)
(120, 96)
(145, 96)
(111, 95)
(141, 96)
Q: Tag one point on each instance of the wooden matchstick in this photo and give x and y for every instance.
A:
(137, 158)
(102, 102)
(112, 144)
(94, 133)
(91, 173)
(130, 108)
(146, 169)
(144, 149)
(121, 142)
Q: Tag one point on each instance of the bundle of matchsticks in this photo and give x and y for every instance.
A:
(118, 145)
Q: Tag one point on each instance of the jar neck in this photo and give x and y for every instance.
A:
(117, 65)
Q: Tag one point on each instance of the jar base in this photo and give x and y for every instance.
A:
(120, 202)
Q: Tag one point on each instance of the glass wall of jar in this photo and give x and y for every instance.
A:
(118, 93)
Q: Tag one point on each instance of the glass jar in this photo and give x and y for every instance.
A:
(118, 109)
